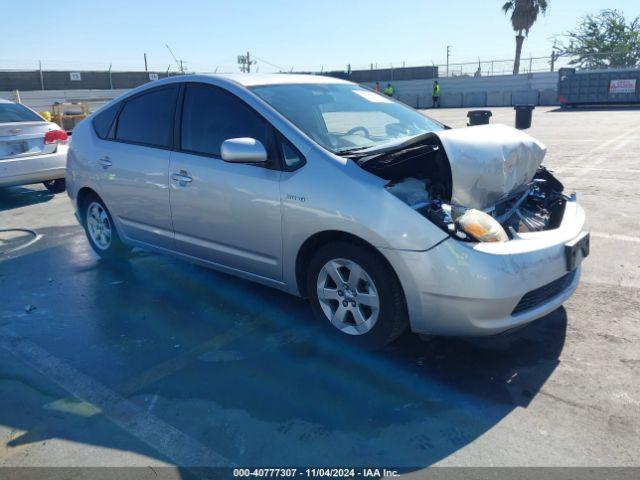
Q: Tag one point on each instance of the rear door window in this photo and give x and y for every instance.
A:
(211, 115)
(14, 112)
(147, 119)
(103, 121)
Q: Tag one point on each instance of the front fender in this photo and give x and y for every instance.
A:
(334, 194)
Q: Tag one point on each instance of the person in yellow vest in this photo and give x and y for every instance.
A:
(389, 90)
(436, 95)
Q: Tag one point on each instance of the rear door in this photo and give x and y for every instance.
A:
(225, 213)
(133, 165)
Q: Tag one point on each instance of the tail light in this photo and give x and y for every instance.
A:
(55, 136)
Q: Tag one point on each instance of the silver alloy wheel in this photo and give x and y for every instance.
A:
(348, 296)
(98, 225)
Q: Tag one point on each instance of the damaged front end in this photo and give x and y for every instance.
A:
(478, 184)
(536, 206)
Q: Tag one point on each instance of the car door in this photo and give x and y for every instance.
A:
(225, 213)
(134, 166)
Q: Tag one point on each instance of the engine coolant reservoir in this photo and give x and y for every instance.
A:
(411, 191)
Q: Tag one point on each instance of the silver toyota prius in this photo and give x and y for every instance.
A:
(381, 217)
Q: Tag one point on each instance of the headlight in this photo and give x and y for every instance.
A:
(481, 226)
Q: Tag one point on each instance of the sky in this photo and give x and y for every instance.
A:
(299, 35)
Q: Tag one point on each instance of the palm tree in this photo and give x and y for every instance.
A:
(524, 14)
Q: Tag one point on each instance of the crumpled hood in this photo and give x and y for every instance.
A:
(489, 161)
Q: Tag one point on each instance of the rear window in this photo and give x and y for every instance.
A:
(148, 118)
(14, 112)
(103, 121)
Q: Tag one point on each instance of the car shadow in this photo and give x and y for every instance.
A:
(595, 108)
(16, 197)
(246, 370)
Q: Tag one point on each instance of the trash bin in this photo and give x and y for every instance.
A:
(478, 117)
(523, 116)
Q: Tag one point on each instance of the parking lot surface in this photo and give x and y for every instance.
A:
(160, 362)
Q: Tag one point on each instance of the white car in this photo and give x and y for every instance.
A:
(32, 150)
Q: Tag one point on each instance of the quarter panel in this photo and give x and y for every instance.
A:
(81, 170)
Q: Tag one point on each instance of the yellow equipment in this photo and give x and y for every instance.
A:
(69, 114)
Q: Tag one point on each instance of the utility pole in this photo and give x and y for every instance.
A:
(245, 62)
(41, 76)
(554, 55)
(448, 53)
(145, 63)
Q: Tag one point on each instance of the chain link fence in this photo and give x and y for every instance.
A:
(46, 77)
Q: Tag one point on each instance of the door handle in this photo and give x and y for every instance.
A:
(181, 177)
(105, 161)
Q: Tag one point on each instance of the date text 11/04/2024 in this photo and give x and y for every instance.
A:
(315, 472)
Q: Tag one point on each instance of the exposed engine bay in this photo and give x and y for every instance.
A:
(537, 206)
(478, 184)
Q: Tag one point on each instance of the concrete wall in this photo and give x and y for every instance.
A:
(61, 80)
(43, 100)
(494, 91)
(468, 92)
(395, 74)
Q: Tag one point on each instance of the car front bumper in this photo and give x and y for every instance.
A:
(460, 288)
(33, 169)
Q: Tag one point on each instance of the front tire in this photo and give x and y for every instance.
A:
(55, 186)
(101, 231)
(355, 293)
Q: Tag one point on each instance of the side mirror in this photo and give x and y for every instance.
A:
(243, 150)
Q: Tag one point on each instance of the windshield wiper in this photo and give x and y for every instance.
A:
(399, 155)
(349, 150)
(386, 147)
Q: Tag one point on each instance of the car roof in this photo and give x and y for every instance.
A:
(254, 79)
(2, 100)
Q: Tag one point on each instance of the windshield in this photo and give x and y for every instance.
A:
(14, 112)
(345, 117)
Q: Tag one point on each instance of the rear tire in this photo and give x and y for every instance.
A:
(55, 186)
(356, 294)
(101, 231)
